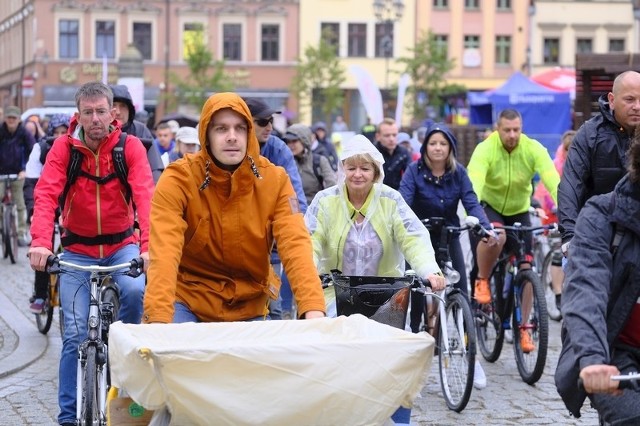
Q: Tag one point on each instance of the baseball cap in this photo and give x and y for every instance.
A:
(187, 135)
(260, 109)
(12, 111)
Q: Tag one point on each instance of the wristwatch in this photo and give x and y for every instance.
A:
(565, 248)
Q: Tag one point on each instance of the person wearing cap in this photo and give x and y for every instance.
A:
(215, 216)
(315, 170)
(187, 142)
(321, 145)
(404, 140)
(396, 158)
(273, 148)
(363, 227)
(433, 186)
(16, 144)
(126, 113)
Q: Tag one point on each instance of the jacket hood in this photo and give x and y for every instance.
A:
(121, 94)
(235, 103)
(605, 109)
(442, 128)
(627, 207)
(300, 132)
(359, 144)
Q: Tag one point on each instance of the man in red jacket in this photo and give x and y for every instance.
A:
(97, 218)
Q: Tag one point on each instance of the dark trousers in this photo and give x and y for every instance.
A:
(29, 186)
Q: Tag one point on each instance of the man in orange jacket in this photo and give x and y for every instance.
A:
(215, 215)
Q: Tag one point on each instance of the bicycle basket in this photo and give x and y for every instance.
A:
(382, 299)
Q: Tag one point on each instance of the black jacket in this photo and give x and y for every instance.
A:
(14, 149)
(596, 282)
(138, 129)
(394, 164)
(595, 163)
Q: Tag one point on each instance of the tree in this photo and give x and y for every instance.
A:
(206, 75)
(427, 66)
(319, 75)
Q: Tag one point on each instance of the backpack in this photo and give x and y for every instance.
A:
(317, 170)
(121, 172)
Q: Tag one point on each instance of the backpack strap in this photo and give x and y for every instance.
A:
(317, 169)
(73, 171)
(120, 165)
(618, 229)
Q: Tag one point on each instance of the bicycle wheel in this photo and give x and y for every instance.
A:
(44, 318)
(89, 413)
(489, 330)
(531, 363)
(110, 303)
(457, 362)
(547, 285)
(9, 235)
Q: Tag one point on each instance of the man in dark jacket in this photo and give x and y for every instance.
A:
(15, 146)
(601, 309)
(596, 158)
(125, 113)
(396, 158)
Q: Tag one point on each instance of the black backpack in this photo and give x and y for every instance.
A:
(121, 172)
(317, 169)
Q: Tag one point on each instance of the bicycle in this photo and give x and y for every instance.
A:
(454, 315)
(552, 258)
(9, 220)
(104, 305)
(510, 286)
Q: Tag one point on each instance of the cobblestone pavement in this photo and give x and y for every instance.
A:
(28, 395)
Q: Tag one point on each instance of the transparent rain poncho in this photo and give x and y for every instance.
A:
(378, 245)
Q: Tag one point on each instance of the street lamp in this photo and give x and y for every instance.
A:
(387, 12)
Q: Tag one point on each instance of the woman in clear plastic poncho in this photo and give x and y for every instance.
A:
(363, 227)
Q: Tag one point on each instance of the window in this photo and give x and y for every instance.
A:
(105, 39)
(142, 38)
(68, 38)
(232, 42)
(472, 42)
(584, 45)
(331, 34)
(616, 45)
(442, 44)
(440, 4)
(551, 51)
(472, 4)
(192, 36)
(503, 50)
(357, 40)
(503, 5)
(270, 42)
(384, 40)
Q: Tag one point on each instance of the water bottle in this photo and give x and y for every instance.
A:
(507, 281)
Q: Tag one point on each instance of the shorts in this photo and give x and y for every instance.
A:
(496, 219)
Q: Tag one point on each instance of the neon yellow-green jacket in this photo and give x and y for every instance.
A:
(503, 179)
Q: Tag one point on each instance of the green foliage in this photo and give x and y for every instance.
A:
(206, 74)
(427, 65)
(319, 75)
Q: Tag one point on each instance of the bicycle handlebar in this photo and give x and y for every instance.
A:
(471, 223)
(625, 381)
(522, 228)
(12, 176)
(135, 266)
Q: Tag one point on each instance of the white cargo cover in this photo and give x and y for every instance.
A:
(332, 371)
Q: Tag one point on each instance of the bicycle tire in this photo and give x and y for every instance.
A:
(45, 318)
(457, 364)
(110, 295)
(7, 241)
(547, 285)
(489, 329)
(13, 255)
(89, 413)
(531, 364)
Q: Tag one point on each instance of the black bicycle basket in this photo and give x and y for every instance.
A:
(383, 299)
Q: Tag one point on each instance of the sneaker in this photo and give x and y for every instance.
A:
(526, 343)
(479, 378)
(37, 306)
(482, 293)
(508, 336)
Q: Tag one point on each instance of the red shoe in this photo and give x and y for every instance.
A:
(482, 293)
(526, 343)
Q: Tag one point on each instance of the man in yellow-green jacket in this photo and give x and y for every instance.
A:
(501, 169)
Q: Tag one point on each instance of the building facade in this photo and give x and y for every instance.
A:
(51, 47)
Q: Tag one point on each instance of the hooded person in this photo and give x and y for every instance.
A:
(126, 113)
(363, 227)
(314, 169)
(216, 214)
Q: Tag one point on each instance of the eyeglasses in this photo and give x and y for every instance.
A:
(263, 122)
(99, 112)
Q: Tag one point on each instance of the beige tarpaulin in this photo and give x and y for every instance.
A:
(332, 371)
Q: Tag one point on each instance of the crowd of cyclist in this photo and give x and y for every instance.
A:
(209, 222)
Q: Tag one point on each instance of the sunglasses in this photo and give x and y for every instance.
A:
(264, 122)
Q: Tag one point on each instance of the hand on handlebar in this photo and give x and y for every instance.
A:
(145, 257)
(597, 379)
(38, 257)
(491, 239)
(437, 281)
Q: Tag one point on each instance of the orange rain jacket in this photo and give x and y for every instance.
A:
(212, 232)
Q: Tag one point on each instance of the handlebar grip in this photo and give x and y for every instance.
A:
(325, 279)
(53, 264)
(137, 267)
(622, 384)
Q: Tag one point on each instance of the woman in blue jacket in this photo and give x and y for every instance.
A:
(433, 186)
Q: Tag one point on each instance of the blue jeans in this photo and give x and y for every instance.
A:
(183, 314)
(74, 302)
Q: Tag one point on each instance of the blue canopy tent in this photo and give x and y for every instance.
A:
(546, 114)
